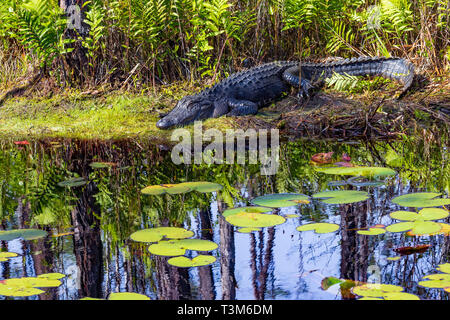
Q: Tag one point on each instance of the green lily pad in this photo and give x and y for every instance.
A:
(400, 296)
(254, 219)
(321, 227)
(161, 189)
(52, 276)
(26, 234)
(241, 210)
(202, 186)
(359, 181)
(372, 231)
(445, 267)
(421, 199)
(185, 262)
(4, 256)
(281, 200)
(372, 172)
(341, 196)
(248, 230)
(179, 247)
(375, 289)
(127, 296)
(73, 182)
(157, 234)
(393, 258)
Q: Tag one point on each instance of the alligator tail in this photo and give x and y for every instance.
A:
(396, 69)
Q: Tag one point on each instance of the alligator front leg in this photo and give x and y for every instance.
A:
(305, 87)
(242, 107)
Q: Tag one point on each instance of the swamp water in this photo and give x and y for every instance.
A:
(86, 196)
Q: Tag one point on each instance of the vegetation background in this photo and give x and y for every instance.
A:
(142, 43)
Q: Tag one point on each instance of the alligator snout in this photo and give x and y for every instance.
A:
(164, 123)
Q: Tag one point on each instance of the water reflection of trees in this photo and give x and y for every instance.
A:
(107, 210)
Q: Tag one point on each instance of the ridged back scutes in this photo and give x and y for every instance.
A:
(258, 72)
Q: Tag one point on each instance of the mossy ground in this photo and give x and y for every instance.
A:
(105, 114)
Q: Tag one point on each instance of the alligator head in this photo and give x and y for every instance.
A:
(187, 110)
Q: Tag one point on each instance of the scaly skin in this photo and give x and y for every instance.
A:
(245, 92)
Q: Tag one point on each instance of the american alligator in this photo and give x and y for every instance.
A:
(243, 93)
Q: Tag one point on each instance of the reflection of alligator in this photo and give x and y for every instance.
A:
(244, 92)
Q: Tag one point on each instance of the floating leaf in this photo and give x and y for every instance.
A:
(373, 231)
(321, 227)
(413, 249)
(281, 200)
(393, 258)
(445, 230)
(185, 262)
(52, 276)
(445, 267)
(290, 216)
(375, 289)
(254, 219)
(421, 199)
(362, 182)
(202, 186)
(4, 256)
(157, 234)
(248, 230)
(179, 247)
(26, 234)
(161, 189)
(400, 296)
(73, 182)
(127, 296)
(372, 172)
(240, 210)
(341, 196)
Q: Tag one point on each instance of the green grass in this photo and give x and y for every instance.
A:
(115, 115)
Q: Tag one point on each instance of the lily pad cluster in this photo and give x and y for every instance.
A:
(438, 280)
(378, 291)
(173, 242)
(199, 186)
(29, 286)
(421, 223)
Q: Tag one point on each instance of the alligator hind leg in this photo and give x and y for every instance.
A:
(242, 107)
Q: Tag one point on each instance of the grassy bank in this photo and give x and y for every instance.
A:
(91, 115)
(372, 112)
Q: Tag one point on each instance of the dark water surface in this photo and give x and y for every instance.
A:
(89, 226)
